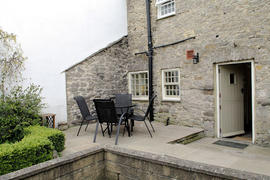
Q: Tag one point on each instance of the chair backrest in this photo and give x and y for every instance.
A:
(82, 106)
(105, 110)
(148, 108)
(122, 100)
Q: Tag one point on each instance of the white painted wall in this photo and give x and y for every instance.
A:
(56, 34)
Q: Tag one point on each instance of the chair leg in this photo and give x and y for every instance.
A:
(80, 128)
(108, 127)
(95, 136)
(111, 127)
(132, 125)
(151, 125)
(118, 129)
(87, 125)
(147, 128)
(128, 128)
(102, 129)
(124, 129)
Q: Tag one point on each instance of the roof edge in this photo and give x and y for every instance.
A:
(97, 52)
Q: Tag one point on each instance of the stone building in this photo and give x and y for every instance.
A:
(98, 76)
(226, 93)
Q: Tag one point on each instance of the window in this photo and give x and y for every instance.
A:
(138, 85)
(165, 8)
(171, 85)
(232, 78)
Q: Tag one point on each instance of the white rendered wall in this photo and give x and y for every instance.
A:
(56, 34)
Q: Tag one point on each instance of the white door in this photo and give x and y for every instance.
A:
(231, 100)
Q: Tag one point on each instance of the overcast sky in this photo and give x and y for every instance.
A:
(56, 34)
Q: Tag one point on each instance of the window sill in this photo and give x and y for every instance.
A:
(167, 16)
(170, 100)
(140, 99)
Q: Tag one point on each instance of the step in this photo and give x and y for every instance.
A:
(189, 138)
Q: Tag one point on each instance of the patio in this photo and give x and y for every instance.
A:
(251, 159)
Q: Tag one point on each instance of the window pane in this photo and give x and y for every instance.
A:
(137, 90)
(173, 90)
(178, 90)
(142, 81)
(232, 78)
(173, 79)
(172, 6)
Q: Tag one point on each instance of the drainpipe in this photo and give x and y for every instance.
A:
(150, 57)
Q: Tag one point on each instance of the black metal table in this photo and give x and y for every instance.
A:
(126, 109)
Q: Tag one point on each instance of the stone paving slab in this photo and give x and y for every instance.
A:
(251, 159)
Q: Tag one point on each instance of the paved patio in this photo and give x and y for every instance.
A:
(253, 158)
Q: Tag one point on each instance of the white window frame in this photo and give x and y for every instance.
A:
(160, 4)
(143, 98)
(164, 96)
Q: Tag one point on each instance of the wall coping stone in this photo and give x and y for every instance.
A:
(187, 165)
(163, 159)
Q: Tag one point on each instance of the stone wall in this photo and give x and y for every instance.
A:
(225, 31)
(87, 164)
(114, 163)
(101, 75)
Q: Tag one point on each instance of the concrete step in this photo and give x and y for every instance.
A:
(189, 138)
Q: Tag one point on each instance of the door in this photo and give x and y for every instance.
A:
(231, 100)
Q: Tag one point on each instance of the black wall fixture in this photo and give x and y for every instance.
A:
(196, 58)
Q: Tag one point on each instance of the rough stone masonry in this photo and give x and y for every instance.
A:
(98, 76)
(225, 31)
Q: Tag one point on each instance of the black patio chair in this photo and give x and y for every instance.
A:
(123, 100)
(106, 113)
(86, 116)
(135, 117)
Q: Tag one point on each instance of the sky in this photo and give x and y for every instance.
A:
(55, 34)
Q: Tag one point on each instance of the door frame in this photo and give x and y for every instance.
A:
(252, 95)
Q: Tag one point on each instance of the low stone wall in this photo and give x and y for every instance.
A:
(114, 163)
(130, 164)
(87, 164)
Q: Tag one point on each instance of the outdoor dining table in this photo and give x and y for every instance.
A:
(126, 109)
